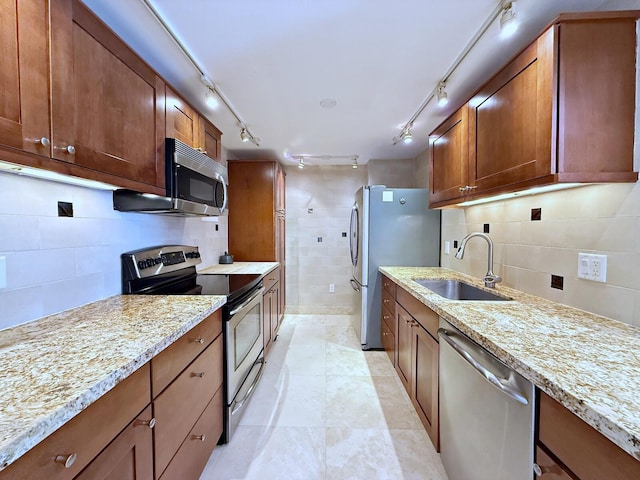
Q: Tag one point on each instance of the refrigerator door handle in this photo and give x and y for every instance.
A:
(355, 285)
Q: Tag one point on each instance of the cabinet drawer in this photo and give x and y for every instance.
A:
(588, 453)
(389, 342)
(194, 452)
(389, 304)
(271, 278)
(548, 466)
(170, 362)
(418, 310)
(86, 434)
(179, 406)
(389, 286)
(389, 318)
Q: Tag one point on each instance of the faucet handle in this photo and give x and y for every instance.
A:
(490, 280)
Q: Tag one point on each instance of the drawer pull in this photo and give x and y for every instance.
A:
(67, 460)
(198, 340)
(44, 141)
(202, 438)
(386, 317)
(198, 374)
(540, 470)
(150, 423)
(386, 300)
(70, 149)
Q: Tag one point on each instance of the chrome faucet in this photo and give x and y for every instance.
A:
(490, 279)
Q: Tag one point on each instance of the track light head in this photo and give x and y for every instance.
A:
(442, 95)
(508, 20)
(301, 163)
(354, 165)
(406, 136)
(244, 136)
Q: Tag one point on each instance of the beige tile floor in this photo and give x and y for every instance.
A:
(326, 410)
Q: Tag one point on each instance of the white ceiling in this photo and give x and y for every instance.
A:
(275, 60)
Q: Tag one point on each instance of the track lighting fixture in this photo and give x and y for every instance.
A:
(355, 162)
(406, 136)
(442, 95)
(508, 20)
(301, 163)
(244, 136)
(210, 98)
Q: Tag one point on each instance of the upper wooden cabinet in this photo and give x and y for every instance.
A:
(24, 76)
(107, 104)
(561, 111)
(449, 159)
(187, 125)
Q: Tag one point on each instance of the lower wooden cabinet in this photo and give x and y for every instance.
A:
(411, 343)
(584, 452)
(128, 457)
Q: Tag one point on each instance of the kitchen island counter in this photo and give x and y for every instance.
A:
(588, 363)
(55, 367)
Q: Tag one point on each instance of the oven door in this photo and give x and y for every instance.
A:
(244, 341)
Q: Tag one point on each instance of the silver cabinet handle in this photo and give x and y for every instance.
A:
(461, 346)
(149, 423)
(44, 141)
(66, 460)
(70, 149)
(202, 438)
(198, 374)
(198, 340)
(541, 470)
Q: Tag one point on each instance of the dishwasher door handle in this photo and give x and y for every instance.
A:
(463, 347)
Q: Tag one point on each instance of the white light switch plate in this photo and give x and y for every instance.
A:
(592, 267)
(3, 273)
(447, 247)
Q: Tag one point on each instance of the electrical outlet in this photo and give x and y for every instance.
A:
(592, 267)
(3, 273)
(332, 288)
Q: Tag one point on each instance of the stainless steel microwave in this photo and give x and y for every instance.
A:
(196, 185)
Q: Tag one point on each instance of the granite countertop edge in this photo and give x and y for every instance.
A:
(601, 415)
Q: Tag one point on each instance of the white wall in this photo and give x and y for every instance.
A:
(56, 263)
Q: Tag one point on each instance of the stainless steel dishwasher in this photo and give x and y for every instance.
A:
(486, 413)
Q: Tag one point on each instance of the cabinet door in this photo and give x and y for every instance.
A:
(211, 139)
(182, 121)
(24, 75)
(449, 159)
(510, 121)
(107, 104)
(424, 385)
(128, 457)
(404, 339)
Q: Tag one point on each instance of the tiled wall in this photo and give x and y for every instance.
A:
(603, 219)
(55, 263)
(318, 205)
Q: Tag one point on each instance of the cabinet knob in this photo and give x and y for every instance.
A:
(386, 300)
(201, 150)
(66, 460)
(44, 141)
(386, 317)
(462, 189)
(150, 423)
(202, 438)
(198, 374)
(541, 470)
(70, 149)
(198, 340)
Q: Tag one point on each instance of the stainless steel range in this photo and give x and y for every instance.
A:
(171, 270)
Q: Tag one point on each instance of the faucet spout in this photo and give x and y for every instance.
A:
(490, 279)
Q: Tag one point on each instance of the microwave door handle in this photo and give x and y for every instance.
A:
(224, 193)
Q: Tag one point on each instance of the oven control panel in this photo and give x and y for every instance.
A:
(158, 260)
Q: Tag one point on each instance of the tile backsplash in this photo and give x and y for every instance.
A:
(55, 263)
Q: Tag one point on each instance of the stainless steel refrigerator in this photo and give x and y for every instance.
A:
(389, 227)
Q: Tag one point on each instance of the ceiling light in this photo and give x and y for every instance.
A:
(508, 20)
(442, 95)
(301, 163)
(355, 162)
(244, 136)
(210, 98)
(405, 136)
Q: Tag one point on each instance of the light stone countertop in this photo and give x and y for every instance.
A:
(589, 363)
(54, 367)
(261, 268)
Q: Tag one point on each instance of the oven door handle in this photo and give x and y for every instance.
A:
(238, 405)
(245, 303)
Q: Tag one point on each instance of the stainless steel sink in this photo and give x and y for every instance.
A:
(456, 290)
